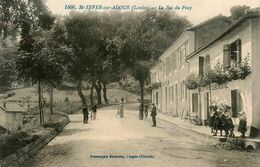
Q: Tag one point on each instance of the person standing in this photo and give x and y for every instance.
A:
(153, 114)
(146, 111)
(121, 108)
(94, 110)
(141, 111)
(85, 115)
(242, 127)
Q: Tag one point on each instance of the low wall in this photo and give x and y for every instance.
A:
(24, 154)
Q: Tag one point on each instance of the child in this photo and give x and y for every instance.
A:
(242, 125)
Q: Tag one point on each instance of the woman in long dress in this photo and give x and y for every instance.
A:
(121, 108)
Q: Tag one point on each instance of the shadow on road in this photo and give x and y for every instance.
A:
(67, 132)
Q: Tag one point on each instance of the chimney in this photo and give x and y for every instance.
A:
(4, 105)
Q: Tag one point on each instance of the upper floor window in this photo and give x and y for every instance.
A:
(201, 66)
(204, 64)
(232, 54)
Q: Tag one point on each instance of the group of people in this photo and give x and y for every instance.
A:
(93, 113)
(143, 111)
(221, 119)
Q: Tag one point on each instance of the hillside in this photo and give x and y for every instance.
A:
(22, 95)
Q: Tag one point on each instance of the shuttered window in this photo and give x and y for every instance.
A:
(207, 66)
(236, 103)
(201, 66)
(226, 57)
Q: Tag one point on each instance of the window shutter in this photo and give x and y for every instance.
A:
(238, 48)
(201, 66)
(226, 57)
(235, 103)
(207, 62)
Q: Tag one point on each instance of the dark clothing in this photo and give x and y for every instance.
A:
(146, 111)
(153, 115)
(154, 120)
(141, 112)
(153, 111)
(85, 115)
(94, 110)
(242, 127)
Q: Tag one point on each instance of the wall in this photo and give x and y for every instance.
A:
(215, 51)
(13, 124)
(2, 117)
(25, 153)
(255, 76)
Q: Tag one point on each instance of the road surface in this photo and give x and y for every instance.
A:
(129, 142)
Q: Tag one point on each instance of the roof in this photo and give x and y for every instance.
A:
(191, 29)
(13, 107)
(219, 17)
(253, 13)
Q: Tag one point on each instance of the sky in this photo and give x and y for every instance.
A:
(195, 10)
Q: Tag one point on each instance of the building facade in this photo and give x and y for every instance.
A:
(169, 93)
(11, 116)
(236, 45)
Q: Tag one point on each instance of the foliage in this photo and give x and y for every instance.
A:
(219, 76)
(192, 81)
(238, 11)
(240, 71)
(14, 141)
(68, 107)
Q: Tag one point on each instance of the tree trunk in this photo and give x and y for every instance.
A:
(98, 88)
(105, 93)
(40, 102)
(81, 95)
(142, 90)
(91, 94)
(51, 99)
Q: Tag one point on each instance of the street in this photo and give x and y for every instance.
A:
(117, 142)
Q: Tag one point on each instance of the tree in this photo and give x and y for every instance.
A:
(82, 34)
(144, 37)
(238, 11)
(39, 67)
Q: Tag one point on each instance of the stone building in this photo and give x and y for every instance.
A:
(11, 116)
(239, 42)
(167, 76)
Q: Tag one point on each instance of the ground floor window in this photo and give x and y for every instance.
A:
(236, 103)
(195, 102)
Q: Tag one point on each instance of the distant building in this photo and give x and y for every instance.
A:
(11, 116)
(170, 94)
(230, 48)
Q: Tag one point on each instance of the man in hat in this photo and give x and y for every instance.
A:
(153, 114)
(85, 115)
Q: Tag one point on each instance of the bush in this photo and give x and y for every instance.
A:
(15, 141)
(67, 107)
(192, 81)
(241, 71)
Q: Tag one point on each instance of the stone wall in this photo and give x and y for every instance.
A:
(24, 154)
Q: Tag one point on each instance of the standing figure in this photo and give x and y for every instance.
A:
(121, 108)
(94, 110)
(153, 114)
(85, 115)
(213, 113)
(146, 111)
(141, 111)
(242, 125)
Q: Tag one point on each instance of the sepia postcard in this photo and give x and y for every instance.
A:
(132, 83)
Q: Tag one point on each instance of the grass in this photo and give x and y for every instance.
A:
(22, 95)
